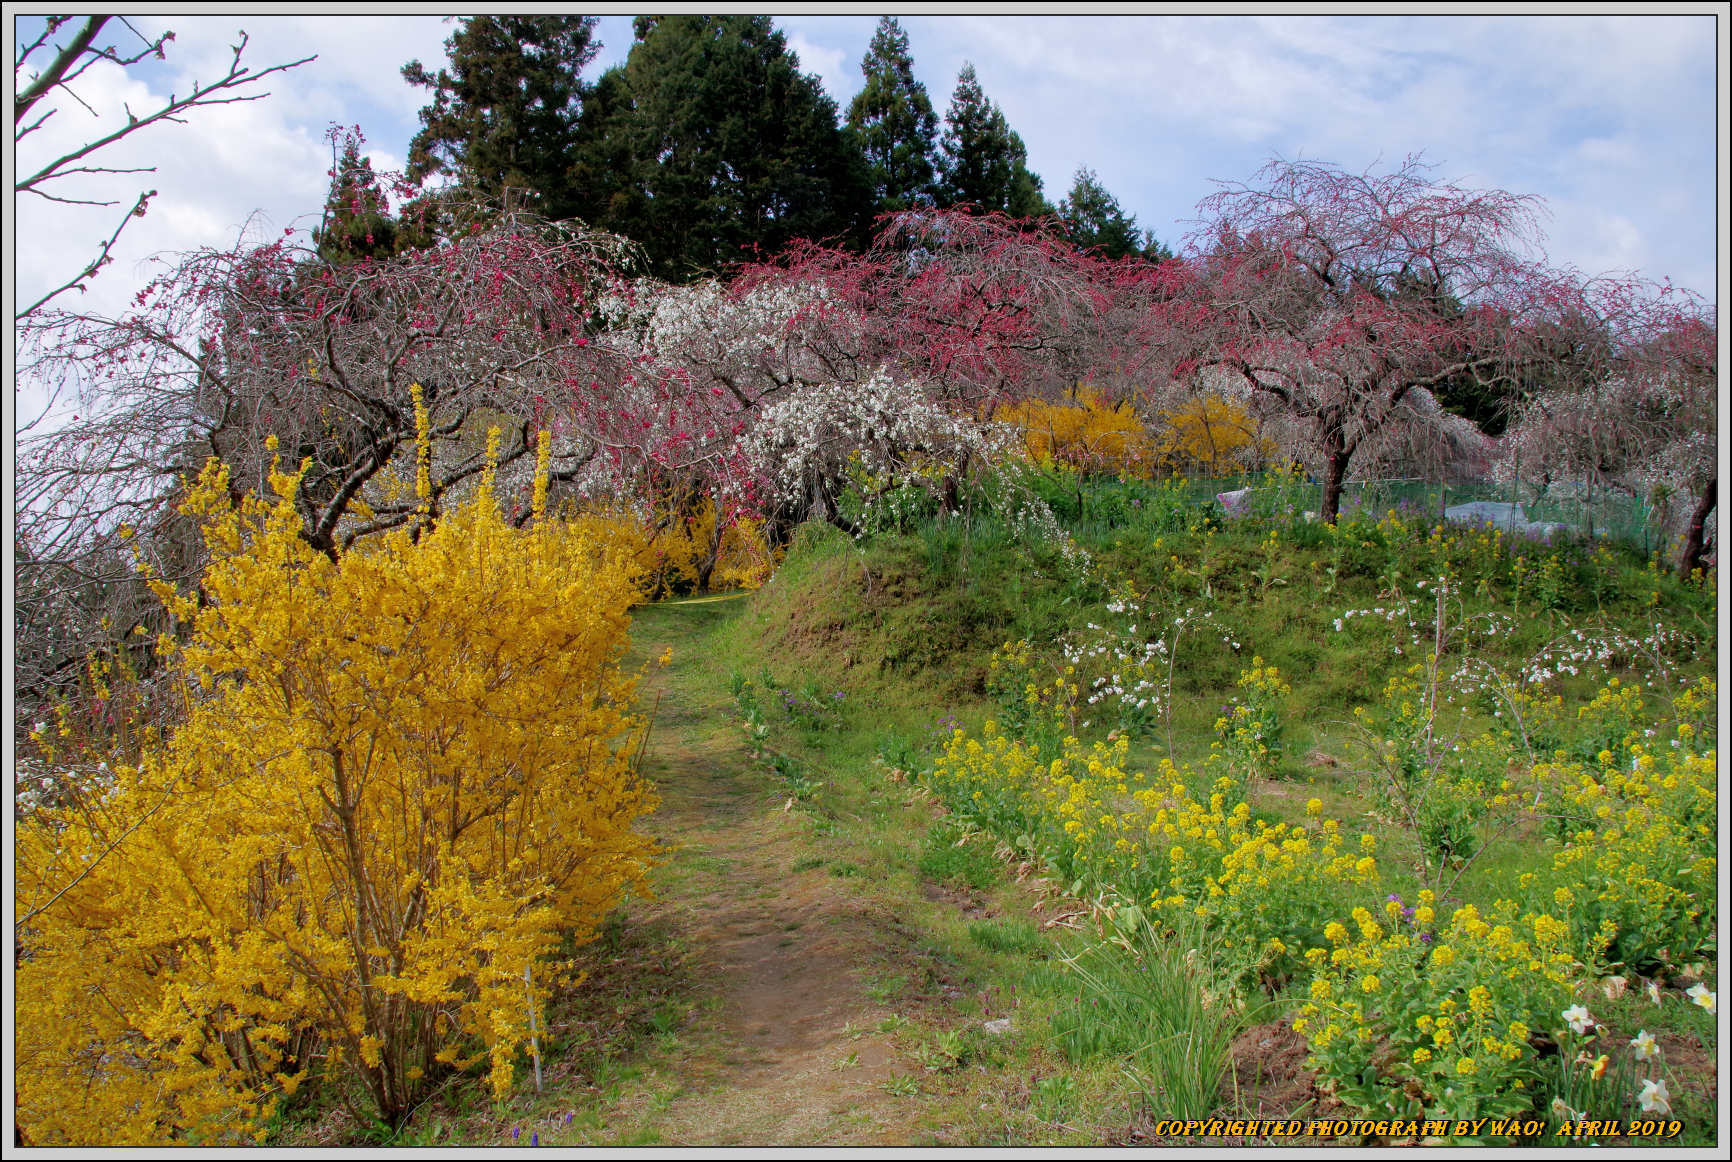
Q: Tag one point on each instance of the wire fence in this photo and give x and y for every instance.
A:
(1563, 508)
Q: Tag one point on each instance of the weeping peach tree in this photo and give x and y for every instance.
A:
(1335, 297)
(401, 788)
(1635, 408)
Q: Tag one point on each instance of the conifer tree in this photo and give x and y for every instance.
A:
(505, 113)
(709, 143)
(1098, 223)
(896, 124)
(357, 222)
(984, 162)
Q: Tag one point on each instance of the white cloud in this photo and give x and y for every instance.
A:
(830, 66)
(1614, 113)
(1609, 152)
(1598, 241)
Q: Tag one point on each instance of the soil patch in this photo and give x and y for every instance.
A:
(1269, 1071)
(788, 1052)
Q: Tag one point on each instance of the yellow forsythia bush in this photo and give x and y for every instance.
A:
(1212, 435)
(670, 559)
(401, 787)
(1087, 434)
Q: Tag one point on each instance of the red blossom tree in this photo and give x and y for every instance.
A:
(1335, 295)
(822, 354)
(228, 351)
(973, 310)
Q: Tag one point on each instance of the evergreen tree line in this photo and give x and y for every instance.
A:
(708, 145)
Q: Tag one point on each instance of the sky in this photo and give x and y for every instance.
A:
(1610, 120)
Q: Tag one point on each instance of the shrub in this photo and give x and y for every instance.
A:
(402, 784)
(1088, 435)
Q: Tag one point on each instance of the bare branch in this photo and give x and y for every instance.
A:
(101, 260)
(71, 61)
(56, 72)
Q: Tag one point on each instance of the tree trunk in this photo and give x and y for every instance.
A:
(1690, 559)
(712, 554)
(949, 499)
(1334, 472)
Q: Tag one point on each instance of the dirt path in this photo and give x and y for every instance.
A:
(790, 1052)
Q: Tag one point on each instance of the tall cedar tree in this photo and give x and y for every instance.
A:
(1098, 224)
(505, 114)
(709, 142)
(895, 122)
(984, 162)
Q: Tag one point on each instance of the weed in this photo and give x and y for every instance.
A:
(1164, 999)
(1019, 937)
(902, 1085)
(956, 855)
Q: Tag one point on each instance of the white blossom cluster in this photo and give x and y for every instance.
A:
(1133, 673)
(883, 426)
(1652, 655)
(759, 320)
(1033, 521)
(1577, 652)
(36, 785)
(1029, 518)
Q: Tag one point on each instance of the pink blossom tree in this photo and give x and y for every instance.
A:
(225, 351)
(1335, 295)
(1631, 402)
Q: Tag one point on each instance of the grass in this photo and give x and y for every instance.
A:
(1100, 1038)
(1165, 1001)
(910, 621)
(958, 857)
(1015, 937)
